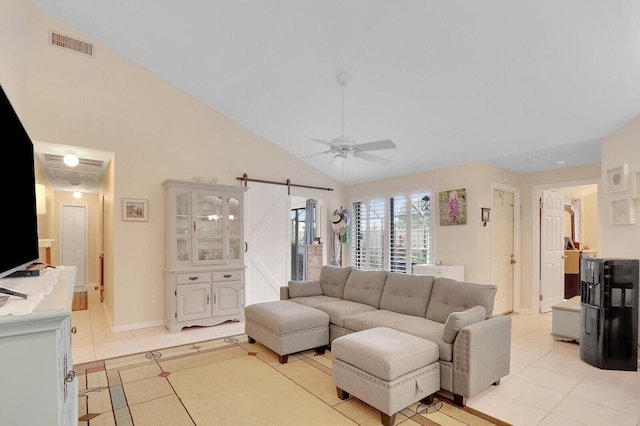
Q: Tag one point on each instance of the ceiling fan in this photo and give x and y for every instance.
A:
(343, 146)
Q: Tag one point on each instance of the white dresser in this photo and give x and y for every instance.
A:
(38, 385)
(455, 272)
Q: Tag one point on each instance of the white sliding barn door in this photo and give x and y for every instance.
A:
(268, 210)
(551, 250)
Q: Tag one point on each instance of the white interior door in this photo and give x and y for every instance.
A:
(74, 240)
(551, 249)
(503, 253)
(268, 242)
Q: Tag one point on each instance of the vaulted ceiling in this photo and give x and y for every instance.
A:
(519, 84)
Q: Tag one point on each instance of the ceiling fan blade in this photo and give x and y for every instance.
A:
(371, 157)
(311, 155)
(374, 146)
(324, 142)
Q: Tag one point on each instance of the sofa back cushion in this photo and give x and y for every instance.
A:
(365, 287)
(333, 279)
(454, 296)
(304, 288)
(459, 320)
(407, 294)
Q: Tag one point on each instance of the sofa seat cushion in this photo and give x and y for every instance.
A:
(314, 300)
(454, 296)
(407, 294)
(421, 327)
(342, 309)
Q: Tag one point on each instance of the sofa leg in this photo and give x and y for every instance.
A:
(320, 350)
(251, 339)
(387, 420)
(458, 400)
(283, 359)
(497, 382)
(428, 399)
(342, 394)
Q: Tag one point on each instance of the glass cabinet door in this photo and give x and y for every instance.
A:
(209, 229)
(182, 231)
(235, 229)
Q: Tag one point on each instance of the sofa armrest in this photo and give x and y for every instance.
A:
(481, 355)
(284, 292)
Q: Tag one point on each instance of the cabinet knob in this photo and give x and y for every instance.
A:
(73, 330)
(193, 278)
(70, 376)
(227, 275)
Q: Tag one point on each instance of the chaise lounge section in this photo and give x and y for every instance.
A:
(473, 344)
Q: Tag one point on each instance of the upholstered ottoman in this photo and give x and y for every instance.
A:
(385, 368)
(287, 327)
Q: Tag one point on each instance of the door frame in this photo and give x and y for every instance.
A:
(86, 237)
(517, 238)
(536, 192)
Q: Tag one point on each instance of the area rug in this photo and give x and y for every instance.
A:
(79, 301)
(232, 382)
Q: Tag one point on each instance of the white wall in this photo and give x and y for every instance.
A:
(155, 132)
(620, 240)
(472, 241)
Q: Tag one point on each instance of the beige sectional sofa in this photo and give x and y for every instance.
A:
(474, 345)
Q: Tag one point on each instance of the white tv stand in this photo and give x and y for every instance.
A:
(39, 386)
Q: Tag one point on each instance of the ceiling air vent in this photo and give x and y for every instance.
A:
(70, 43)
(81, 161)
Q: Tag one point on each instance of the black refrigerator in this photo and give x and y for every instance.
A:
(609, 313)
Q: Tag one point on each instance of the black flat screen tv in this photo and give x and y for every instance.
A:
(18, 210)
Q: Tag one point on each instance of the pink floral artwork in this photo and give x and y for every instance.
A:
(453, 207)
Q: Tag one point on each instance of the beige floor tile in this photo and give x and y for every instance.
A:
(146, 390)
(587, 413)
(312, 379)
(185, 363)
(362, 413)
(99, 402)
(237, 396)
(160, 412)
(133, 374)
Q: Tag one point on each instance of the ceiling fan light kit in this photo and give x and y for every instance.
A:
(342, 146)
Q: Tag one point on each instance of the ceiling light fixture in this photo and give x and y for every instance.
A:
(70, 159)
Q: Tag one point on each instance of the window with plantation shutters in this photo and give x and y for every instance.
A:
(392, 236)
(368, 238)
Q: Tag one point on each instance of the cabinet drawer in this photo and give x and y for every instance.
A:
(195, 277)
(227, 276)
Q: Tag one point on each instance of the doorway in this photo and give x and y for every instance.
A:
(585, 190)
(73, 229)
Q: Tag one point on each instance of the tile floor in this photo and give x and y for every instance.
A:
(548, 384)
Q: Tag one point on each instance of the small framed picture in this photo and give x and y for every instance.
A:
(617, 179)
(134, 209)
(623, 212)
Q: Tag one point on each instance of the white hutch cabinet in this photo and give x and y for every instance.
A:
(204, 254)
(39, 386)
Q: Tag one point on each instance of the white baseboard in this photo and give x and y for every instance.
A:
(138, 326)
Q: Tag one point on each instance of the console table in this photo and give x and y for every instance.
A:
(38, 384)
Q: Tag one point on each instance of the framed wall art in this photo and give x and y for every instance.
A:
(453, 207)
(623, 211)
(134, 209)
(617, 179)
